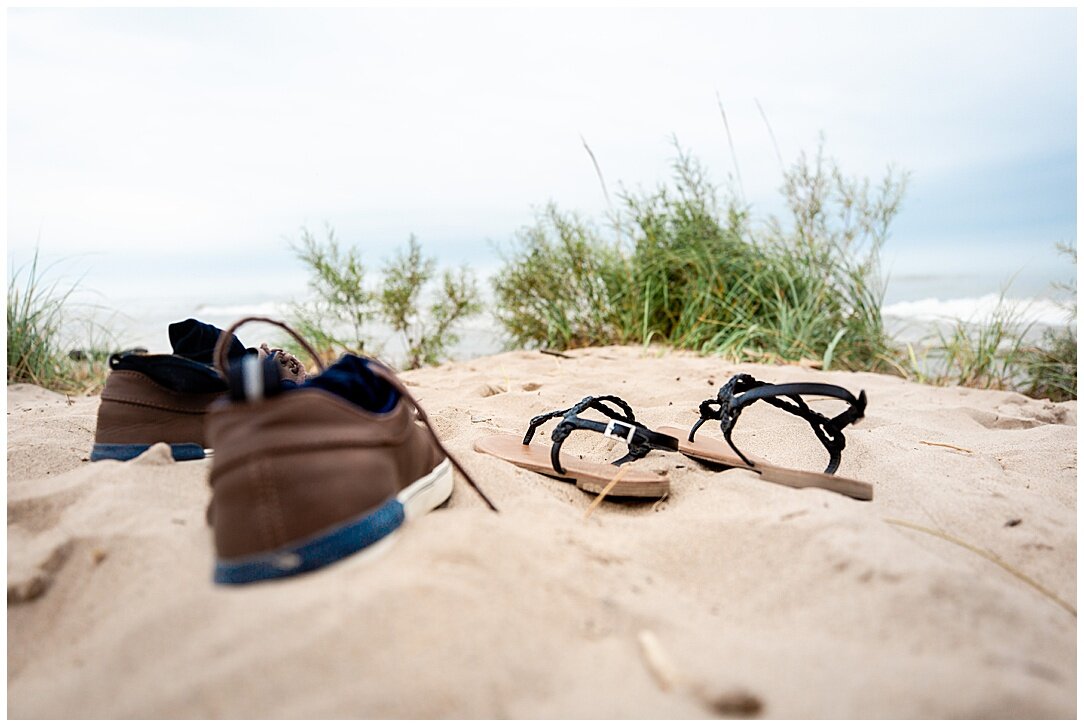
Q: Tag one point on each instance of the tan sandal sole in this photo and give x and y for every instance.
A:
(588, 476)
(716, 452)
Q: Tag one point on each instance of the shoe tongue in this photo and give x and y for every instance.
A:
(196, 340)
(351, 378)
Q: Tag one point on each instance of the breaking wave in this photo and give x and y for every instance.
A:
(1042, 311)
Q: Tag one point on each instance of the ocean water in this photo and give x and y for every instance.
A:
(918, 308)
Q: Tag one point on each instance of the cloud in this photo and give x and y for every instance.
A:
(208, 130)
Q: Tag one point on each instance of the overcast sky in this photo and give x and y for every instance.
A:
(179, 150)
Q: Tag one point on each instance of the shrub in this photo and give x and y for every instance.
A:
(562, 285)
(334, 318)
(426, 338)
(689, 272)
(343, 306)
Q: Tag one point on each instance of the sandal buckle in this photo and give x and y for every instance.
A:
(629, 434)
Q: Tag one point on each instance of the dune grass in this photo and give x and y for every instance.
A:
(679, 267)
(675, 266)
(1051, 366)
(36, 316)
(985, 354)
(995, 353)
(682, 269)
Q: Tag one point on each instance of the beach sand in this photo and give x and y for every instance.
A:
(730, 597)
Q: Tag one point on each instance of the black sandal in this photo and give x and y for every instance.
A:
(741, 391)
(589, 476)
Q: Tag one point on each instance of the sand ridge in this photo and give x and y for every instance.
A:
(729, 597)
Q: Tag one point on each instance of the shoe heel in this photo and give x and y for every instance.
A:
(325, 549)
(368, 533)
(125, 452)
(429, 492)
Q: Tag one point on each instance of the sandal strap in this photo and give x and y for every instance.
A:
(622, 425)
(742, 390)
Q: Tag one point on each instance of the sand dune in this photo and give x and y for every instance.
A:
(730, 597)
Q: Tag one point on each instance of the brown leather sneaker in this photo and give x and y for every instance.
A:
(137, 411)
(161, 397)
(307, 474)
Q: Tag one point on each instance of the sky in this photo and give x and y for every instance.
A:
(178, 152)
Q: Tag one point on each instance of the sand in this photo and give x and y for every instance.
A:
(730, 597)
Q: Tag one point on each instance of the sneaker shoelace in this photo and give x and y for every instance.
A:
(290, 366)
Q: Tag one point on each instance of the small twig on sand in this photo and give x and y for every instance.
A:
(558, 354)
(734, 702)
(949, 446)
(658, 663)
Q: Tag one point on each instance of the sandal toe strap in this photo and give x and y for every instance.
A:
(621, 425)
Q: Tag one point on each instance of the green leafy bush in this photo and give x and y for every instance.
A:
(427, 334)
(562, 285)
(343, 305)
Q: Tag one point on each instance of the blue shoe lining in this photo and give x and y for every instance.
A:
(351, 378)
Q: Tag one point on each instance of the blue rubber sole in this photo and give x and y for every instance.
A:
(125, 452)
(314, 553)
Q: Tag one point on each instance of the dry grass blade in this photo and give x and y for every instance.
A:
(598, 171)
(988, 556)
(605, 491)
(730, 142)
(771, 133)
(949, 446)
(660, 501)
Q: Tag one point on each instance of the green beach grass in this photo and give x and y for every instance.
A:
(37, 312)
(679, 267)
(683, 266)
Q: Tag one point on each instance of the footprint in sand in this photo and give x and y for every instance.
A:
(994, 420)
(486, 390)
(28, 581)
(37, 514)
(1023, 413)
